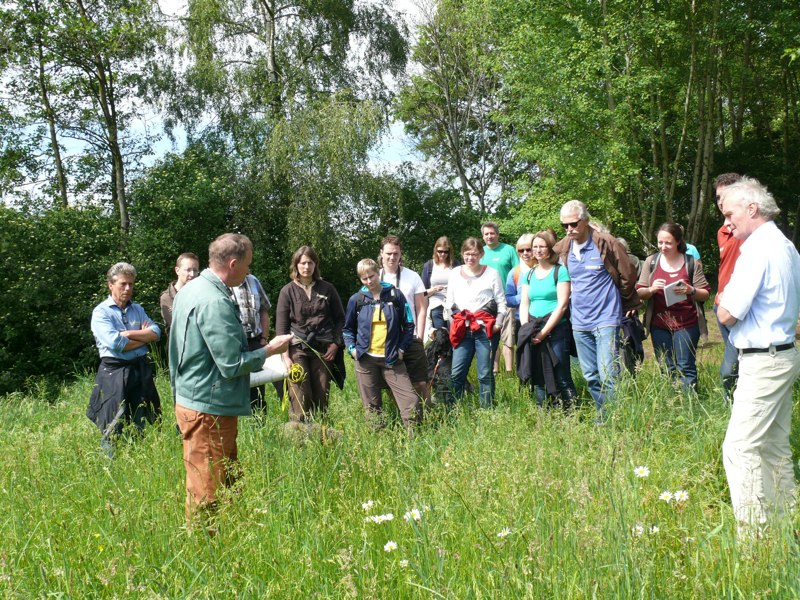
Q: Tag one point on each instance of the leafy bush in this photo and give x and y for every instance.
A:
(53, 266)
(180, 205)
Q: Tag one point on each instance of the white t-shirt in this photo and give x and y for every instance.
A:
(408, 282)
(473, 293)
(440, 275)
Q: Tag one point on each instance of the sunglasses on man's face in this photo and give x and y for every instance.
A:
(574, 225)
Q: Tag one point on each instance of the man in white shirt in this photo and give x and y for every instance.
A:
(760, 305)
(410, 283)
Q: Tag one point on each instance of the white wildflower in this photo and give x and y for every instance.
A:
(504, 532)
(681, 496)
(666, 496)
(390, 546)
(414, 514)
(641, 471)
(379, 518)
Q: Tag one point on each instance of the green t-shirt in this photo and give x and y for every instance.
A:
(542, 292)
(502, 259)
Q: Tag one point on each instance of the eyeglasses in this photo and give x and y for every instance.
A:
(443, 252)
(574, 225)
(524, 250)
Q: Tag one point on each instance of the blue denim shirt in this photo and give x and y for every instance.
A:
(108, 320)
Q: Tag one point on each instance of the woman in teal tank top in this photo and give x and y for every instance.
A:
(545, 298)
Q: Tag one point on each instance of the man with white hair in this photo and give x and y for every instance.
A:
(728, 255)
(760, 305)
(603, 290)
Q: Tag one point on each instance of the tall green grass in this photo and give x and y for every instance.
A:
(560, 491)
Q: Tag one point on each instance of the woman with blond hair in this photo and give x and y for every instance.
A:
(435, 274)
(517, 276)
(378, 329)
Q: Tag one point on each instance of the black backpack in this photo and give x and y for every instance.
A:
(363, 301)
(556, 267)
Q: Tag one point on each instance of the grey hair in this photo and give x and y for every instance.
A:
(624, 243)
(575, 206)
(750, 191)
(120, 268)
(227, 247)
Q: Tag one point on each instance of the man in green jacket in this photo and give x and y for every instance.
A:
(209, 365)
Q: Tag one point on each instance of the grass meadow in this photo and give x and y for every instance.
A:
(516, 502)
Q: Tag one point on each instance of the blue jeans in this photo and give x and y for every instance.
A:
(677, 349)
(598, 353)
(559, 342)
(729, 369)
(475, 344)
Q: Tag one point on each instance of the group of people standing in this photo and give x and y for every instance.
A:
(550, 298)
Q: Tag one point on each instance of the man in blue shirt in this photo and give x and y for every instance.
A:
(124, 392)
(760, 305)
(603, 290)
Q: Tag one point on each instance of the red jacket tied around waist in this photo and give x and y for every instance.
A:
(464, 319)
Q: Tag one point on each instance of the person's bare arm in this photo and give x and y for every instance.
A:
(421, 307)
(524, 304)
(139, 337)
(725, 317)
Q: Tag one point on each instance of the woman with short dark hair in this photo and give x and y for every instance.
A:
(476, 300)
(310, 308)
(675, 287)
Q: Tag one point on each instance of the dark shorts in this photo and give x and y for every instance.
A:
(416, 362)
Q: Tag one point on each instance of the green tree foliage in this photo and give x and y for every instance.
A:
(53, 266)
(80, 70)
(29, 85)
(628, 105)
(262, 59)
(418, 214)
(180, 205)
(452, 106)
(298, 89)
